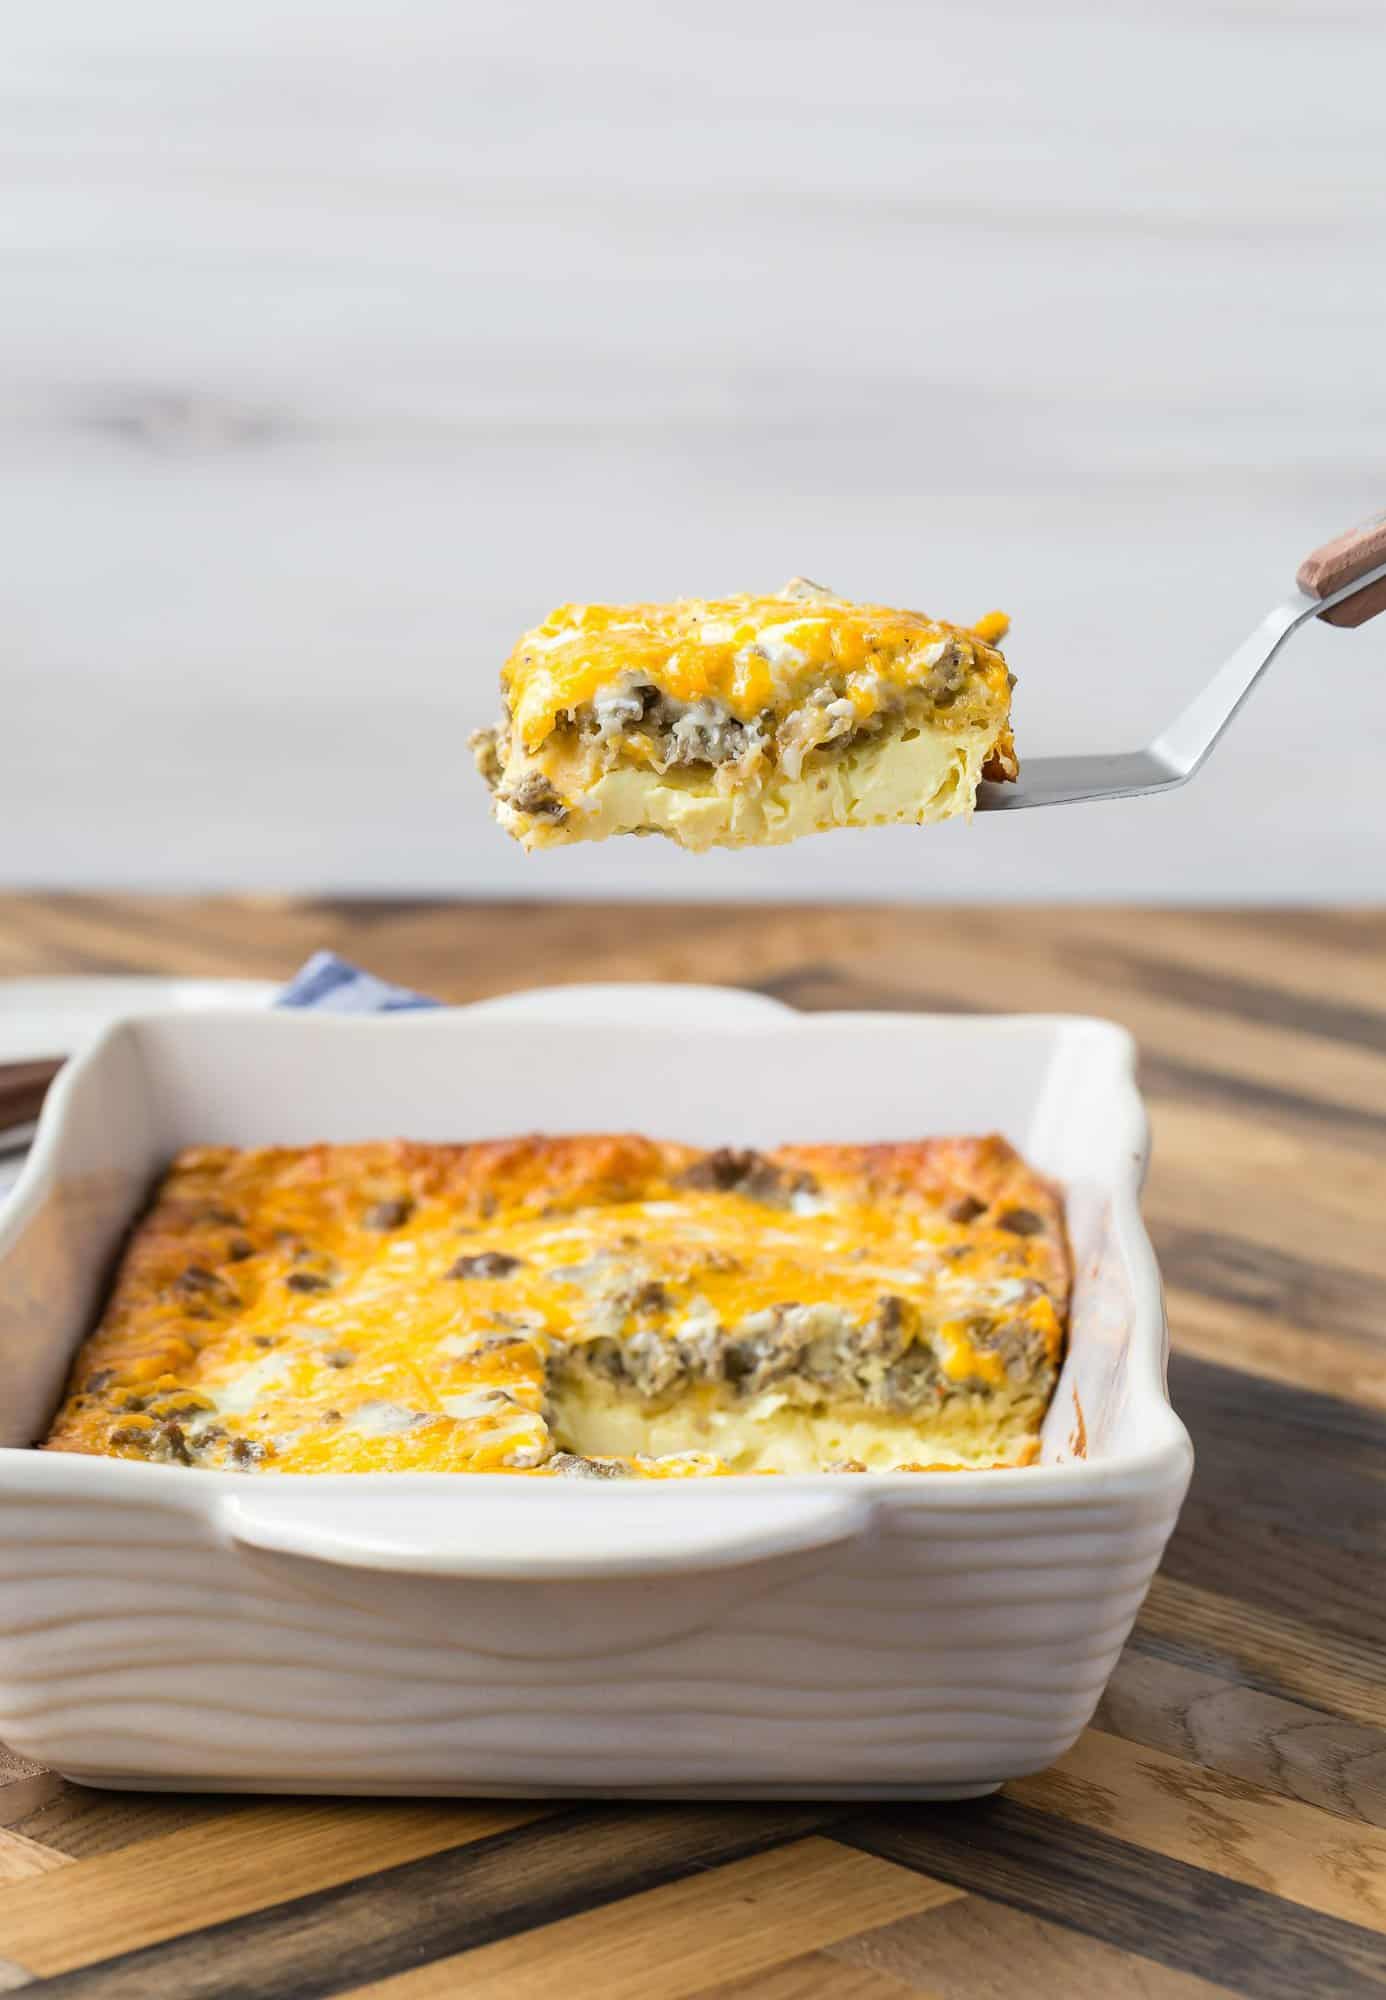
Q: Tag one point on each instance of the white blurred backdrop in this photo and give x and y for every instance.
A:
(339, 342)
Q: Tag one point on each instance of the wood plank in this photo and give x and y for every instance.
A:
(1269, 1650)
(1273, 1579)
(22, 1798)
(975, 1949)
(372, 1925)
(1346, 928)
(241, 938)
(199, 1876)
(79, 1821)
(1254, 1558)
(1283, 1746)
(1217, 1821)
(1216, 989)
(1269, 1187)
(1288, 1103)
(21, 1858)
(1188, 1918)
(1251, 1537)
(1305, 953)
(1346, 1366)
(727, 1924)
(1303, 1291)
(818, 1975)
(1248, 1416)
(1245, 1431)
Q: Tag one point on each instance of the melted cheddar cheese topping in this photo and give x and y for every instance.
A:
(748, 653)
(593, 1307)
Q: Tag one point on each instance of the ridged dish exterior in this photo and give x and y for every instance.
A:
(849, 1636)
(973, 1647)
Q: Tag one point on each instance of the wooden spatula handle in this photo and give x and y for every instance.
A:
(1338, 562)
(23, 1087)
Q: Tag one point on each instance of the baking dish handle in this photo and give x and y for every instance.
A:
(550, 1531)
(541, 1569)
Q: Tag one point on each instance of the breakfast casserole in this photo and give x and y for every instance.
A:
(744, 720)
(593, 1307)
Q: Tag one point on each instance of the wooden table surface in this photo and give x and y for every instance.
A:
(1222, 1825)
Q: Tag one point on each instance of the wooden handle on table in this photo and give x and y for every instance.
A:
(23, 1087)
(1338, 562)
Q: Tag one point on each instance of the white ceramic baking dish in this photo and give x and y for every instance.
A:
(922, 1635)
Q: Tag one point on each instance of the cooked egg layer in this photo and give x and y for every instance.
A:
(913, 777)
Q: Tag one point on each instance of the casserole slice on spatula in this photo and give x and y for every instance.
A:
(744, 720)
(752, 720)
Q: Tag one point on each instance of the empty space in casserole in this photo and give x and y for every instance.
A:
(601, 1307)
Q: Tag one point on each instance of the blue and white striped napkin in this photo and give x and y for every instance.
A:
(330, 985)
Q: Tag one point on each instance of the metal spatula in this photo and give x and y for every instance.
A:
(1343, 583)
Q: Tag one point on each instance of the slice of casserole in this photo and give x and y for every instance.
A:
(595, 1307)
(744, 720)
